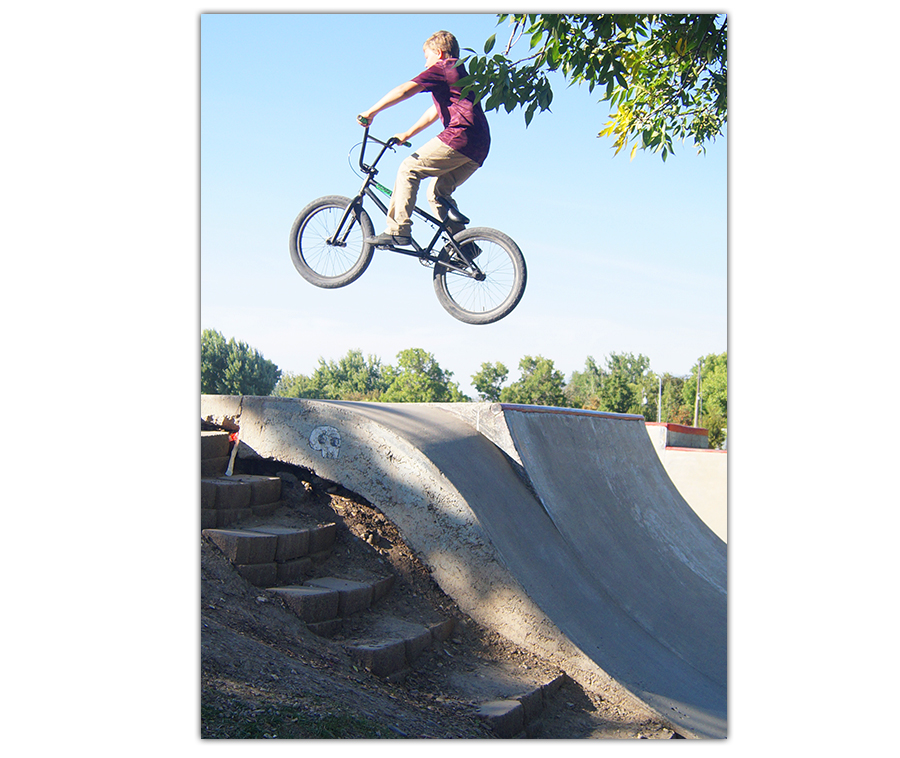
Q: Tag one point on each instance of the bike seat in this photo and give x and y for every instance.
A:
(452, 211)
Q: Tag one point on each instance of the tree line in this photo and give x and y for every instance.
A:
(623, 384)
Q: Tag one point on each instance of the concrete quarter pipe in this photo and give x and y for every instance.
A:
(564, 522)
(649, 554)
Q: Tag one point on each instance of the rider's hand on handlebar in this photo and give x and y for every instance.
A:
(400, 139)
(364, 120)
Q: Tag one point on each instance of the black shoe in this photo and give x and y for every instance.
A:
(469, 248)
(390, 240)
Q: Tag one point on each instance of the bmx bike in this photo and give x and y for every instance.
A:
(479, 273)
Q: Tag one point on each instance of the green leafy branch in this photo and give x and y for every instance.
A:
(664, 75)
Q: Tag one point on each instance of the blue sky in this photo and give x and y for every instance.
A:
(623, 255)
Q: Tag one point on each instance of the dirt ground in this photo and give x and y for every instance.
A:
(265, 675)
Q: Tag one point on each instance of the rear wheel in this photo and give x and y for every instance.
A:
(324, 261)
(489, 296)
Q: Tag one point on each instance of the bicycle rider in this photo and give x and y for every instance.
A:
(451, 157)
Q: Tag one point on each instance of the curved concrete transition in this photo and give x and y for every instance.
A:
(559, 529)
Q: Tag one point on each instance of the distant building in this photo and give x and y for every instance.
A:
(699, 474)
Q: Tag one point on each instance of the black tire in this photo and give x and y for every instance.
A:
(489, 300)
(326, 265)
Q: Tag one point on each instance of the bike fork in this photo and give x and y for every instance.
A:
(339, 238)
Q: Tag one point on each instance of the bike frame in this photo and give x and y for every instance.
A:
(425, 255)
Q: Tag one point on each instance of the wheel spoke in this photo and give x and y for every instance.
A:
(330, 264)
(492, 296)
(483, 296)
(324, 258)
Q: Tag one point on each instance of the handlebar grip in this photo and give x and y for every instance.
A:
(363, 120)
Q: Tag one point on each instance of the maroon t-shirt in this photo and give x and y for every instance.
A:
(465, 125)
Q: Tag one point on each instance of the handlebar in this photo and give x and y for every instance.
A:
(391, 142)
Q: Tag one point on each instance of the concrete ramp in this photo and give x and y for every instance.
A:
(603, 487)
(560, 530)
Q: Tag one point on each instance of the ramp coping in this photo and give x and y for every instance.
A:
(500, 407)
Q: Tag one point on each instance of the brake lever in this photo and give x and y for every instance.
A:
(394, 141)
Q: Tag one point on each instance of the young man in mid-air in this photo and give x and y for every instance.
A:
(451, 157)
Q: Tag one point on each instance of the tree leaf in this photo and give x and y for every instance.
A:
(664, 72)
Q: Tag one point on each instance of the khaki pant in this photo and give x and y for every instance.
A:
(449, 167)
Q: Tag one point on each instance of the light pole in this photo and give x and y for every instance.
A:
(697, 399)
(659, 403)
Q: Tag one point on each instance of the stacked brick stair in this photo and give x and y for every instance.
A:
(215, 447)
(226, 500)
(269, 555)
(388, 646)
(520, 715)
(280, 559)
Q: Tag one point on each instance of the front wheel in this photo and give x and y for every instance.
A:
(323, 257)
(487, 297)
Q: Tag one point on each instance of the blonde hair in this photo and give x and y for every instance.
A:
(443, 42)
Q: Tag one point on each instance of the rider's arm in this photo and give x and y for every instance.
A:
(426, 120)
(397, 95)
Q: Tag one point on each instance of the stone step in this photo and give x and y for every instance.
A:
(322, 603)
(228, 500)
(213, 467)
(390, 646)
(219, 518)
(269, 555)
(214, 445)
(520, 715)
(239, 491)
(311, 604)
(244, 546)
(353, 597)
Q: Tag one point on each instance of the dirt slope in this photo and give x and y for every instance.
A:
(265, 675)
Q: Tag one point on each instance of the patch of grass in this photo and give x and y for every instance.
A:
(229, 717)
